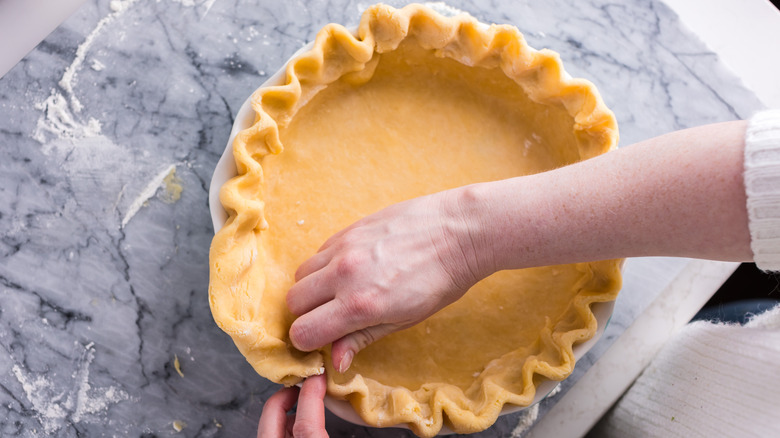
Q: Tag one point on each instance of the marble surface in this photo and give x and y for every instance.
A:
(111, 128)
(752, 54)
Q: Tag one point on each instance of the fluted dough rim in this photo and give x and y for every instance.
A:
(337, 53)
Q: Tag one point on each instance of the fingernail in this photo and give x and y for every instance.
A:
(346, 361)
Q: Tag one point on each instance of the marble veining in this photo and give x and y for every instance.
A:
(111, 129)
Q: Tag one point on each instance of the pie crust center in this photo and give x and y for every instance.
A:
(415, 104)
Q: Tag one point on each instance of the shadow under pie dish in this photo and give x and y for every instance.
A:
(411, 103)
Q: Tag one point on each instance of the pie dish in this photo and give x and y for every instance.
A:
(410, 103)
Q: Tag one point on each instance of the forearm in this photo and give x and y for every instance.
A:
(676, 195)
(681, 194)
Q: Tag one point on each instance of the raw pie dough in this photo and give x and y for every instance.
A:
(415, 104)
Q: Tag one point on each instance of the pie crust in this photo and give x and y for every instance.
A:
(414, 104)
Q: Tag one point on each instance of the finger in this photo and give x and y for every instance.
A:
(310, 292)
(333, 239)
(310, 418)
(345, 349)
(333, 320)
(316, 328)
(274, 417)
(313, 264)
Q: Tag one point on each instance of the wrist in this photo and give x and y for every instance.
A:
(468, 211)
(505, 235)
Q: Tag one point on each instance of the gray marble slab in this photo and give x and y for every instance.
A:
(104, 266)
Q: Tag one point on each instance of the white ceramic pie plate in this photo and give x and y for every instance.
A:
(226, 169)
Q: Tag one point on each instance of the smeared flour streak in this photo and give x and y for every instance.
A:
(68, 78)
(147, 192)
(208, 5)
(92, 400)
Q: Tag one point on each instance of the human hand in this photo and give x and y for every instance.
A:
(307, 422)
(385, 273)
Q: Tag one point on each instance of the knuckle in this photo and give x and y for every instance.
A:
(364, 338)
(349, 264)
(363, 307)
(305, 428)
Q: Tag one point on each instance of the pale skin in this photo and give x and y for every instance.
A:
(308, 421)
(681, 194)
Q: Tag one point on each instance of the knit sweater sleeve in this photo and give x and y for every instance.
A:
(762, 186)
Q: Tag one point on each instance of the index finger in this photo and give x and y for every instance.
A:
(311, 407)
(325, 324)
(274, 417)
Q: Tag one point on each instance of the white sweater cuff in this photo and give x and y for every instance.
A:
(762, 186)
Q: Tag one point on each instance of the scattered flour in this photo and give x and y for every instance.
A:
(526, 420)
(529, 416)
(252, 33)
(57, 118)
(119, 5)
(97, 65)
(58, 121)
(38, 390)
(54, 406)
(555, 391)
(203, 6)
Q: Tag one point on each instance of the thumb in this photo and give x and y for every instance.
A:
(345, 349)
